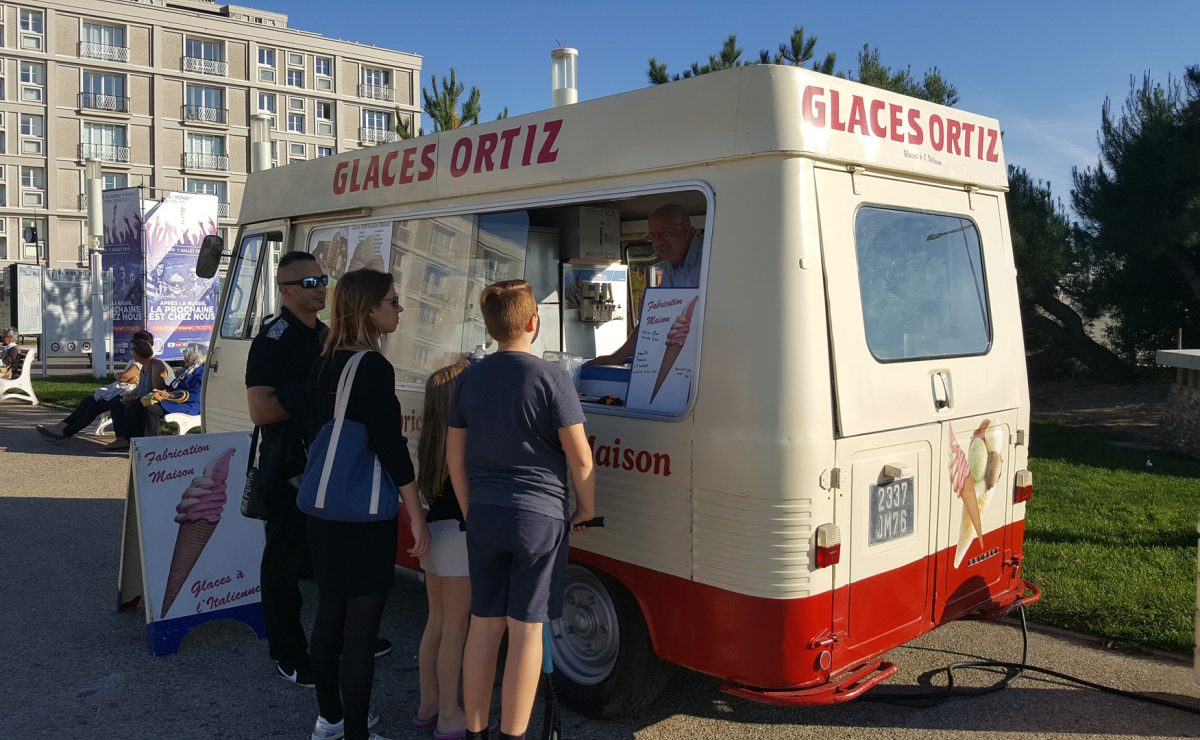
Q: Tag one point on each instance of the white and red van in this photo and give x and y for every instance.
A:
(844, 466)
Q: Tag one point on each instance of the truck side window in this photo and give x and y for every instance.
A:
(921, 282)
(252, 296)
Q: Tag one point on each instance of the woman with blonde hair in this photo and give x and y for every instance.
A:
(354, 562)
(447, 585)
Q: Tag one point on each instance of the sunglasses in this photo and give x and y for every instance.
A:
(309, 282)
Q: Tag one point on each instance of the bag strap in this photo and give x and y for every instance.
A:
(252, 462)
(342, 400)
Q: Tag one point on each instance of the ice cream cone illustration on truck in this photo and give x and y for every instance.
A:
(676, 338)
(199, 512)
(973, 475)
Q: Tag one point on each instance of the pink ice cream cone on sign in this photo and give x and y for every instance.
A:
(198, 513)
(676, 338)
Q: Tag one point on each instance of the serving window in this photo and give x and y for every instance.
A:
(608, 290)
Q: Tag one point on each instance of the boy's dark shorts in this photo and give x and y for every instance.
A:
(518, 563)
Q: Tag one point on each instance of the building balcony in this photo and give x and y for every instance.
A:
(377, 136)
(195, 161)
(205, 66)
(104, 153)
(222, 209)
(104, 52)
(108, 103)
(204, 114)
(377, 92)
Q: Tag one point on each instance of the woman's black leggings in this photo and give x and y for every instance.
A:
(347, 627)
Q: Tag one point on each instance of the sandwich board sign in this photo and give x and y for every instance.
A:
(186, 554)
(665, 355)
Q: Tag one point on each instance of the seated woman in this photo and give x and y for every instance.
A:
(182, 395)
(10, 354)
(99, 402)
(128, 413)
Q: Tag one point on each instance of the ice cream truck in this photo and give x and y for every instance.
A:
(824, 461)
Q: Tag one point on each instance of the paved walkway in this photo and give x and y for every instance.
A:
(75, 668)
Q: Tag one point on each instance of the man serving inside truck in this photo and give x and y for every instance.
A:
(678, 246)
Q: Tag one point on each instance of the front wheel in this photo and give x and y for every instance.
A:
(604, 663)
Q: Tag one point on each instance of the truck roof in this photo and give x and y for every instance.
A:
(750, 111)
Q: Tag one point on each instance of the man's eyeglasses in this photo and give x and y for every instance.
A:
(664, 232)
(308, 282)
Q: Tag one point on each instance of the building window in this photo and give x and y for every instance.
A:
(324, 72)
(206, 152)
(33, 186)
(3, 138)
(377, 119)
(295, 59)
(296, 104)
(32, 29)
(325, 118)
(295, 123)
(205, 56)
(266, 104)
(376, 83)
(295, 78)
(205, 103)
(376, 127)
(211, 187)
(297, 152)
(266, 64)
(105, 142)
(33, 81)
(114, 180)
(102, 41)
(33, 134)
(324, 151)
(100, 91)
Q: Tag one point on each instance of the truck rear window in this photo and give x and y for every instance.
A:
(921, 280)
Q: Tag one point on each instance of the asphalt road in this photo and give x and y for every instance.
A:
(74, 668)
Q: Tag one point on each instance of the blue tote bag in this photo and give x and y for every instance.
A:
(343, 480)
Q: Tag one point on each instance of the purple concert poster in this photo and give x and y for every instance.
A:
(123, 255)
(180, 306)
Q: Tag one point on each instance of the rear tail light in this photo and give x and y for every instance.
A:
(1022, 487)
(829, 545)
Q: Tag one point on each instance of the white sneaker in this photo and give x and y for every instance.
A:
(326, 730)
(377, 736)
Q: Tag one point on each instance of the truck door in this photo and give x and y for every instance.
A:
(249, 296)
(925, 341)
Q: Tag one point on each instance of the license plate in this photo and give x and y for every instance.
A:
(891, 511)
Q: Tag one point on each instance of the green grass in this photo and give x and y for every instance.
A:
(1111, 542)
(66, 390)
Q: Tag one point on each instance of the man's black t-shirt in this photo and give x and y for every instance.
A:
(280, 357)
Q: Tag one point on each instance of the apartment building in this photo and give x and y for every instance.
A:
(161, 92)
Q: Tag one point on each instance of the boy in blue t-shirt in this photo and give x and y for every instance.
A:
(516, 431)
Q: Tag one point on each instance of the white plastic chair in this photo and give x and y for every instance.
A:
(184, 422)
(22, 385)
(103, 425)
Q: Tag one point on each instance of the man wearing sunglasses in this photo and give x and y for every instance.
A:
(283, 352)
(678, 246)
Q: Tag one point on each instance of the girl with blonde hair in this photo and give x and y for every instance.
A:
(354, 562)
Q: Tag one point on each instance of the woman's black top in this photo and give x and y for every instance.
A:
(445, 506)
(372, 402)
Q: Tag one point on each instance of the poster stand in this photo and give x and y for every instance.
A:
(180, 581)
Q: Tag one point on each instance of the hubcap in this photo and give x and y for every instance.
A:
(588, 636)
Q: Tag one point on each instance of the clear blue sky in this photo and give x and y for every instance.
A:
(1042, 68)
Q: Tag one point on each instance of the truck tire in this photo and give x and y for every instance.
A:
(604, 663)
